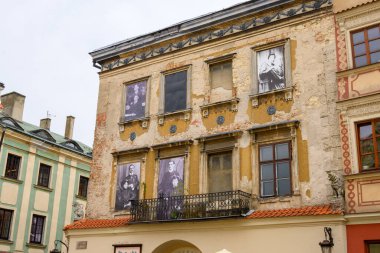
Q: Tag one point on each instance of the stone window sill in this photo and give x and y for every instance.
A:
(364, 174)
(12, 180)
(183, 114)
(8, 242)
(285, 94)
(80, 197)
(230, 102)
(43, 188)
(35, 245)
(142, 121)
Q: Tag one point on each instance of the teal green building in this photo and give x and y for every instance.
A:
(43, 180)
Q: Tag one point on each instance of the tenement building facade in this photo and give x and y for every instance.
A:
(358, 80)
(219, 134)
(43, 180)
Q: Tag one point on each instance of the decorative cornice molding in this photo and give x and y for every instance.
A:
(217, 34)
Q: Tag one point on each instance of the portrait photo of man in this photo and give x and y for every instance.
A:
(135, 100)
(170, 181)
(128, 185)
(271, 69)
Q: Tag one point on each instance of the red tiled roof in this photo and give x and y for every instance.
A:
(97, 223)
(290, 212)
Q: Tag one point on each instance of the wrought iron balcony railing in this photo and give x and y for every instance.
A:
(191, 207)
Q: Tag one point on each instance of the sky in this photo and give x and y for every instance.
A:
(44, 46)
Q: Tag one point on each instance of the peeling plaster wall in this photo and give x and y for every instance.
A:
(313, 68)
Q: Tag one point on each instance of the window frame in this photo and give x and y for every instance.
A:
(147, 79)
(33, 229)
(48, 177)
(374, 142)
(366, 41)
(274, 161)
(80, 188)
(18, 169)
(368, 242)
(287, 65)
(186, 68)
(215, 153)
(9, 225)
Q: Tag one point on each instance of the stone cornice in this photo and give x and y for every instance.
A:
(209, 36)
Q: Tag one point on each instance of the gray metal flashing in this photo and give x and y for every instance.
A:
(185, 27)
(113, 51)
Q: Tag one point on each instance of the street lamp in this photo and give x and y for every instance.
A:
(328, 242)
(55, 250)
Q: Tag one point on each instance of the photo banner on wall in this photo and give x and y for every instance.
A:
(128, 185)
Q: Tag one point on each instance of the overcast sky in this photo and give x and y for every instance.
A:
(44, 46)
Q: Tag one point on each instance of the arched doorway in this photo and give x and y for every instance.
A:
(177, 246)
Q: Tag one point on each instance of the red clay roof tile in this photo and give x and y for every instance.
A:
(97, 223)
(290, 212)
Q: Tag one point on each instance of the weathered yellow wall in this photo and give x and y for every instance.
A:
(312, 49)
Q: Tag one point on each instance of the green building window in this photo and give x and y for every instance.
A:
(83, 184)
(13, 166)
(44, 175)
(36, 232)
(5, 223)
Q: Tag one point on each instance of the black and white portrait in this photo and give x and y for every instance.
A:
(271, 69)
(128, 185)
(135, 100)
(170, 181)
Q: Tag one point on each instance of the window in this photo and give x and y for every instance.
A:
(369, 144)
(13, 166)
(275, 173)
(220, 172)
(373, 246)
(5, 223)
(175, 89)
(366, 46)
(135, 102)
(221, 81)
(83, 184)
(44, 175)
(36, 232)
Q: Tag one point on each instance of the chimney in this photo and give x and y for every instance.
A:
(45, 123)
(69, 127)
(2, 86)
(13, 105)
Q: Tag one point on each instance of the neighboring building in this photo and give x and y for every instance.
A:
(43, 180)
(229, 120)
(358, 82)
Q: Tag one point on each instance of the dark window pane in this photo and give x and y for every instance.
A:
(83, 184)
(175, 91)
(13, 166)
(365, 131)
(360, 49)
(361, 61)
(374, 247)
(377, 128)
(366, 146)
(358, 37)
(36, 231)
(283, 186)
(266, 153)
(267, 171)
(375, 57)
(374, 33)
(283, 170)
(267, 188)
(44, 175)
(282, 151)
(5, 223)
(368, 162)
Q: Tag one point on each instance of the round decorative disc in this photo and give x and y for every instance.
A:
(173, 129)
(271, 110)
(132, 136)
(220, 120)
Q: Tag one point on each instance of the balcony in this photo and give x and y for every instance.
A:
(191, 207)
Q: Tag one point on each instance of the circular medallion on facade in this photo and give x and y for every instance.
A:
(132, 136)
(173, 129)
(220, 120)
(271, 110)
